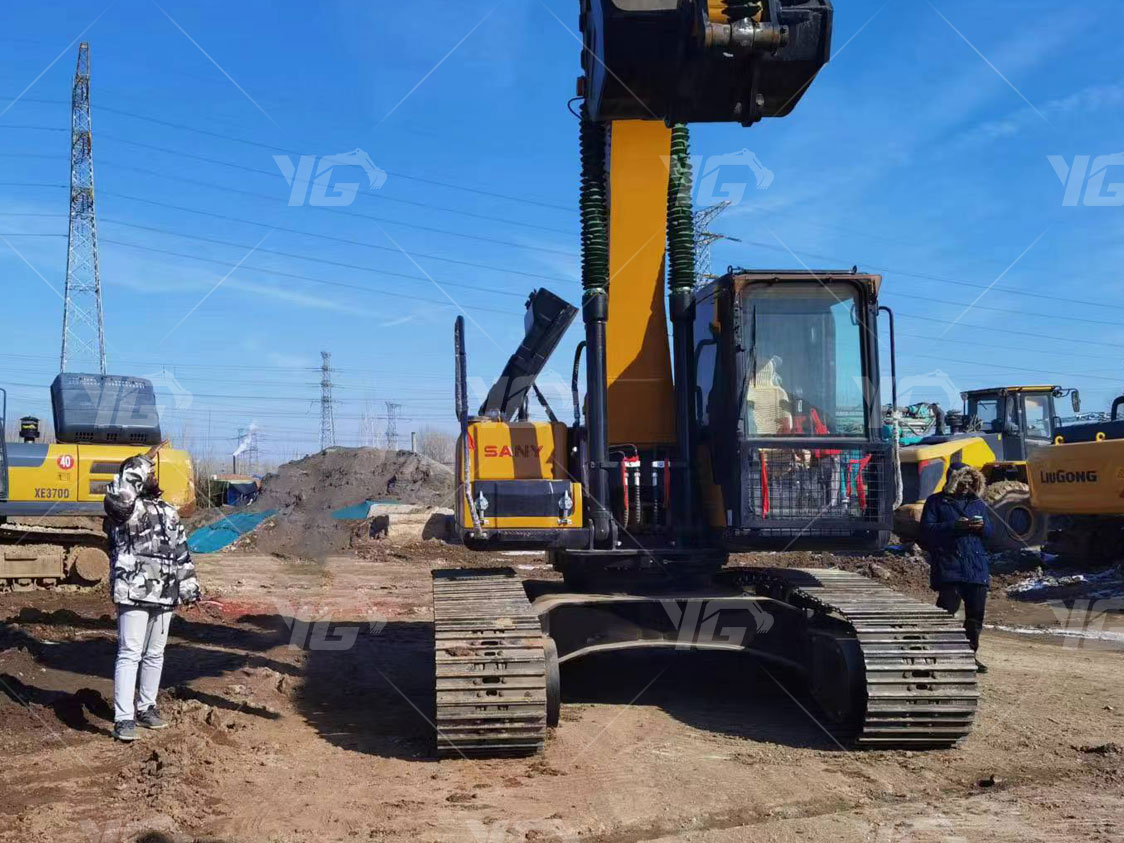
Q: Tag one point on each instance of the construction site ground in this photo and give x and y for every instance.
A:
(289, 730)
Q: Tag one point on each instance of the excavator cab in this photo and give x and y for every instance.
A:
(787, 388)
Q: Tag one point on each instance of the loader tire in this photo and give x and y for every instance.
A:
(1015, 524)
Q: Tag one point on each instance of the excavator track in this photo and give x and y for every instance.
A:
(920, 673)
(492, 666)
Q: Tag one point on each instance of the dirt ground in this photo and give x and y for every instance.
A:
(287, 730)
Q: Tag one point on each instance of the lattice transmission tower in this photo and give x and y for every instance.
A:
(705, 238)
(83, 326)
(392, 425)
(327, 416)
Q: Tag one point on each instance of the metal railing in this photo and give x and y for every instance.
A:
(817, 487)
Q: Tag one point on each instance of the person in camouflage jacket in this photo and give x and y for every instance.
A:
(152, 573)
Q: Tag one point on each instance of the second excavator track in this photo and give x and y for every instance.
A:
(920, 673)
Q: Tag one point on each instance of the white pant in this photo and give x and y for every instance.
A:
(142, 633)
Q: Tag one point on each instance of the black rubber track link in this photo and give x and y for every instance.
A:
(490, 665)
(920, 682)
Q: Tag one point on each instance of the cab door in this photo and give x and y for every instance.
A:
(1037, 410)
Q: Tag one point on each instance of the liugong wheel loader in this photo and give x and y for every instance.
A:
(758, 425)
(999, 430)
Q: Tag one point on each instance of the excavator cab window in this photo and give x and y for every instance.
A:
(804, 369)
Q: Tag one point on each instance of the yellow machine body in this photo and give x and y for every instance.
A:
(500, 455)
(925, 468)
(60, 476)
(641, 393)
(1082, 478)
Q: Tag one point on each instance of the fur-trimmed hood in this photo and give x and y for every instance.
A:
(964, 480)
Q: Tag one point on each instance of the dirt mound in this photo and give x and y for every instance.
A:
(306, 492)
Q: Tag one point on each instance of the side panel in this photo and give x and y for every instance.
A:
(1085, 478)
(44, 475)
(519, 475)
(640, 390)
(62, 479)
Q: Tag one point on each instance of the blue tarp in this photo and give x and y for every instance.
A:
(241, 494)
(358, 512)
(226, 531)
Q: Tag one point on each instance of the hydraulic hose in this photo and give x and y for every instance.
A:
(595, 312)
(681, 301)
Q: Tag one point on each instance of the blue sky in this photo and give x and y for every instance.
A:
(921, 152)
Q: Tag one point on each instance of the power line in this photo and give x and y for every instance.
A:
(190, 128)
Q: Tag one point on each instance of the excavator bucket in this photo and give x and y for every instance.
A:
(701, 61)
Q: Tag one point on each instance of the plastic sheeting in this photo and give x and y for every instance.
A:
(359, 511)
(226, 531)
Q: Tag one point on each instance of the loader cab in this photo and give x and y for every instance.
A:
(787, 395)
(1021, 418)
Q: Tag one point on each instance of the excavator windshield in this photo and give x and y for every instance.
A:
(804, 360)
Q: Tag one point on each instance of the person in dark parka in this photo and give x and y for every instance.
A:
(954, 527)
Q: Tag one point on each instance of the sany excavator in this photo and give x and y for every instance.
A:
(761, 428)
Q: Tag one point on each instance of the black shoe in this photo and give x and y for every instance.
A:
(150, 719)
(125, 731)
(980, 667)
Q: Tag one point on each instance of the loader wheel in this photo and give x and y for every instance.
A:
(87, 565)
(1015, 524)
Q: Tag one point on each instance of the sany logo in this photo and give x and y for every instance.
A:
(310, 178)
(518, 451)
(65, 462)
(1092, 177)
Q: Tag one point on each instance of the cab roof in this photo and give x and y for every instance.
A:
(992, 390)
(874, 282)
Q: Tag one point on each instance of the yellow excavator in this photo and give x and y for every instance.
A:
(756, 424)
(51, 494)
